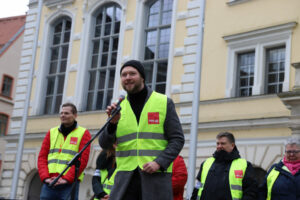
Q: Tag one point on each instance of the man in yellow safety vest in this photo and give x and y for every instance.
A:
(59, 146)
(225, 176)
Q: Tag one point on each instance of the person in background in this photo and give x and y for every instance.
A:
(179, 178)
(103, 178)
(149, 137)
(282, 181)
(59, 146)
(225, 176)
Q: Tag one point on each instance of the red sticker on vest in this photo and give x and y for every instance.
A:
(153, 118)
(73, 140)
(238, 173)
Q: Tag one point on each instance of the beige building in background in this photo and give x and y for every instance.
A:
(250, 76)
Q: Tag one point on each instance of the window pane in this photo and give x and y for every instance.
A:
(7, 86)
(98, 31)
(162, 72)
(65, 51)
(68, 25)
(96, 47)
(53, 67)
(54, 53)
(57, 103)
(155, 7)
(56, 39)
(89, 105)
(109, 97)
(245, 74)
(148, 72)
(102, 80)
(149, 52)
(105, 45)
(167, 5)
(163, 51)
(3, 124)
(115, 44)
(107, 29)
(99, 103)
(63, 66)
(92, 80)
(153, 20)
(94, 61)
(151, 37)
(48, 104)
(104, 60)
(67, 36)
(50, 86)
(161, 88)
(275, 70)
(167, 17)
(58, 28)
(113, 59)
(61, 80)
(111, 78)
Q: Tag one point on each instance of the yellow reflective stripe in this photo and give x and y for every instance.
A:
(126, 138)
(148, 135)
(236, 187)
(64, 162)
(139, 152)
(63, 151)
(126, 153)
(109, 187)
(149, 152)
(141, 135)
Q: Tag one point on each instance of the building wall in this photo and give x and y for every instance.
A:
(260, 122)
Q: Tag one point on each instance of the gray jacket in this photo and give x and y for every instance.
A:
(156, 186)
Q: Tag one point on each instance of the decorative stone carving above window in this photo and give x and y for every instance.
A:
(55, 3)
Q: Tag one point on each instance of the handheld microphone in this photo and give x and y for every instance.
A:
(117, 109)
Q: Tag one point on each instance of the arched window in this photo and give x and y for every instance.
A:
(3, 124)
(103, 58)
(55, 78)
(157, 42)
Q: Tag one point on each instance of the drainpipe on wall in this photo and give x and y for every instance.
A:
(14, 185)
(195, 106)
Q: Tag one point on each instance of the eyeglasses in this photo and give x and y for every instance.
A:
(292, 152)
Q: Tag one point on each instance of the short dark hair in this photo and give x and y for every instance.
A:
(74, 109)
(228, 135)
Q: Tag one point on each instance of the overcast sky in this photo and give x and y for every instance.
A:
(9, 8)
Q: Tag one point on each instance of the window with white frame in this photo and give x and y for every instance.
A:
(157, 42)
(245, 73)
(275, 61)
(258, 61)
(103, 57)
(55, 78)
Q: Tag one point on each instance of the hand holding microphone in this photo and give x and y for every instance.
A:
(114, 110)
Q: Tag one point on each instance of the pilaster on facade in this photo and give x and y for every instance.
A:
(292, 102)
(24, 70)
(189, 56)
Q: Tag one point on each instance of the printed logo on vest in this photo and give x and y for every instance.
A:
(153, 118)
(73, 140)
(238, 173)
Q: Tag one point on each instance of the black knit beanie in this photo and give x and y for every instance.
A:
(137, 65)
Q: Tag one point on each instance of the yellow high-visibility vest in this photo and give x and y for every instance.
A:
(236, 174)
(62, 151)
(140, 143)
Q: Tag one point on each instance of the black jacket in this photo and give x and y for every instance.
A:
(103, 162)
(217, 181)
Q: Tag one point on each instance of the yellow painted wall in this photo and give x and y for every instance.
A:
(251, 108)
(221, 20)
(253, 133)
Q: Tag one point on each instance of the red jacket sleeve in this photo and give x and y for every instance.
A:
(43, 158)
(69, 176)
(179, 175)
